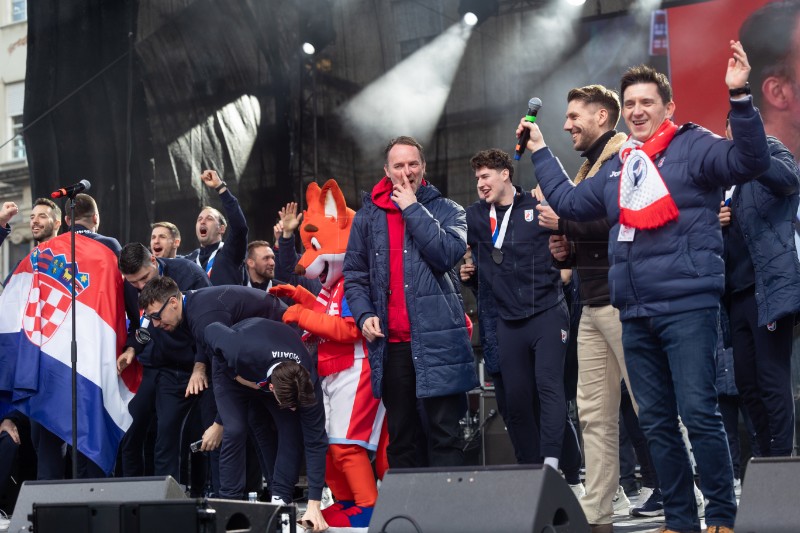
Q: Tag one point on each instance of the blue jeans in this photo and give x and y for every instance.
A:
(672, 370)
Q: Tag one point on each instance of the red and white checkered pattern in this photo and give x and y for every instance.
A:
(48, 305)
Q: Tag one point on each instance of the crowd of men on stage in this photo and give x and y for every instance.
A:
(647, 230)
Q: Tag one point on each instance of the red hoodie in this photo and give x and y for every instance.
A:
(399, 327)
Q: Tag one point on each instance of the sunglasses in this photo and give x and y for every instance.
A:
(157, 314)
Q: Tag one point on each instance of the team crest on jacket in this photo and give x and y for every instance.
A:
(49, 299)
(529, 215)
(772, 326)
(564, 336)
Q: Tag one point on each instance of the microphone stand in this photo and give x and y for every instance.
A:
(74, 343)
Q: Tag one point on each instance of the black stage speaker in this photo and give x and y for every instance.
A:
(91, 490)
(769, 501)
(249, 516)
(169, 516)
(519, 498)
(495, 442)
(186, 516)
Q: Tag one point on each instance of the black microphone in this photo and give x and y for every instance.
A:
(534, 105)
(72, 190)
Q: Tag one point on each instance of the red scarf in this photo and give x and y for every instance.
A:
(644, 200)
(399, 326)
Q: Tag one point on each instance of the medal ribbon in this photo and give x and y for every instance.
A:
(498, 233)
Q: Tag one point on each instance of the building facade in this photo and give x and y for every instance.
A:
(14, 178)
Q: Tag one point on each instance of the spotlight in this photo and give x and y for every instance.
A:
(576, 2)
(479, 9)
(316, 30)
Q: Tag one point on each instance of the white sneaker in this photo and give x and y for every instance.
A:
(578, 490)
(644, 495)
(698, 498)
(737, 487)
(621, 503)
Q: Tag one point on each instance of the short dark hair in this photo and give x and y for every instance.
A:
(85, 207)
(47, 202)
(608, 99)
(408, 141)
(255, 244)
(159, 289)
(494, 159)
(220, 216)
(169, 226)
(766, 37)
(646, 74)
(291, 384)
(133, 257)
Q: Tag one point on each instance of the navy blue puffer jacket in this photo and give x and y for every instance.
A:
(677, 267)
(765, 210)
(435, 241)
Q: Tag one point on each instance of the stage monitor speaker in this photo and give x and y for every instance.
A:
(234, 515)
(91, 490)
(186, 516)
(495, 443)
(462, 500)
(769, 496)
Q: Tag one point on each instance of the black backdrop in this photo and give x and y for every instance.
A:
(139, 96)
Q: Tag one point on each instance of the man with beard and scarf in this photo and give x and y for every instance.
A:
(405, 297)
(222, 261)
(662, 194)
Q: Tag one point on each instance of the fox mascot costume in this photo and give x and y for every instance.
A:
(354, 417)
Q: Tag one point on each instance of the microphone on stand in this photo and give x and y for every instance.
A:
(72, 190)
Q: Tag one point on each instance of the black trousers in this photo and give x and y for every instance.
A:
(143, 411)
(161, 397)
(531, 356)
(8, 456)
(172, 406)
(763, 371)
(51, 456)
(571, 456)
(729, 408)
(406, 431)
(632, 438)
(246, 412)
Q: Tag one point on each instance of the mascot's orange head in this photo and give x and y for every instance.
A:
(324, 230)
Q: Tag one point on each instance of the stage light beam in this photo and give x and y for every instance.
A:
(410, 98)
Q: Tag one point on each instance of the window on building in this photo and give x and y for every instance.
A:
(18, 145)
(15, 103)
(19, 10)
